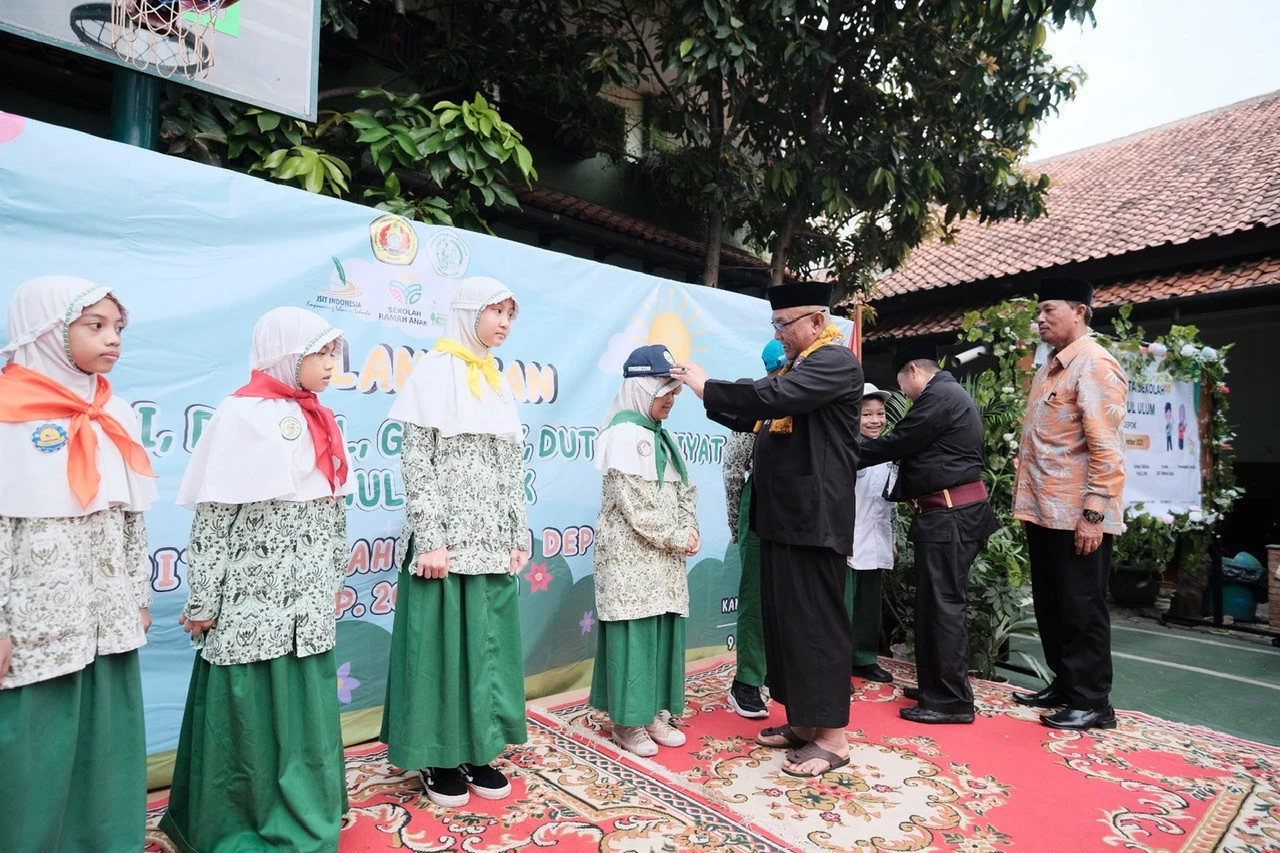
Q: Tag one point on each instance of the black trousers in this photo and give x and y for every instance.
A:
(1069, 591)
(946, 543)
(808, 640)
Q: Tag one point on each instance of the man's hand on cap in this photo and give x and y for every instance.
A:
(692, 375)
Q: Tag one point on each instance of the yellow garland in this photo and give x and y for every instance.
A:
(831, 334)
(475, 365)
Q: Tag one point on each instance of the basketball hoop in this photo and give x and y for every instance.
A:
(166, 37)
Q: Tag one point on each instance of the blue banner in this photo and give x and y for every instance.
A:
(197, 254)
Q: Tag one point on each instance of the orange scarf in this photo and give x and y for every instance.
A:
(26, 395)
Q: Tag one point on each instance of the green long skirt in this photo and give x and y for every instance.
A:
(455, 685)
(639, 669)
(73, 761)
(259, 763)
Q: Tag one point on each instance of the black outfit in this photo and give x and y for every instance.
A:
(1069, 591)
(939, 445)
(803, 511)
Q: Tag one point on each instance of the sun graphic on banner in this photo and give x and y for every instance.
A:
(669, 325)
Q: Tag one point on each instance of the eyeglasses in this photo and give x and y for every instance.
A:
(782, 327)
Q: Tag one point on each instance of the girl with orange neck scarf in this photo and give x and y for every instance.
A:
(260, 762)
(75, 577)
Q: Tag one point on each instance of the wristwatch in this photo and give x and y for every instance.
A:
(1093, 516)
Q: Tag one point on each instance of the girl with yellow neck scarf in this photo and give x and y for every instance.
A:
(455, 690)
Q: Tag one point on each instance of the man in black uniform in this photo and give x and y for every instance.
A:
(939, 446)
(805, 466)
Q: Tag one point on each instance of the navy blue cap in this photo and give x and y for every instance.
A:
(653, 360)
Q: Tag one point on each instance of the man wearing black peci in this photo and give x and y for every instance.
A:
(805, 468)
(939, 448)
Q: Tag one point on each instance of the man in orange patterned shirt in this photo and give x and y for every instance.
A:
(1069, 497)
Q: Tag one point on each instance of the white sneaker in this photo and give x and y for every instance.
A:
(634, 739)
(665, 733)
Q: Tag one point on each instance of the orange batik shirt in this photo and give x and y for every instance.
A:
(1072, 454)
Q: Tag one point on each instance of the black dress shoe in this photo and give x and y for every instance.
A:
(1081, 719)
(873, 672)
(916, 714)
(1050, 697)
(912, 693)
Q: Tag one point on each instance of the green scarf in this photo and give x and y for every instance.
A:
(665, 448)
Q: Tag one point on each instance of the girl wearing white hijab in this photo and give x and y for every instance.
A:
(455, 689)
(647, 529)
(260, 762)
(75, 577)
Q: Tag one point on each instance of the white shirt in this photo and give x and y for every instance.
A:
(873, 530)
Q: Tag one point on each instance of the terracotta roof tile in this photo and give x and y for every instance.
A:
(1233, 276)
(554, 201)
(1205, 176)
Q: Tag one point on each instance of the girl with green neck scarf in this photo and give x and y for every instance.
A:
(647, 529)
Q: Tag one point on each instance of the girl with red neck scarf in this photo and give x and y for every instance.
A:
(74, 577)
(260, 760)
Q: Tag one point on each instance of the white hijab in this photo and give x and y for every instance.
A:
(437, 395)
(627, 447)
(259, 450)
(33, 483)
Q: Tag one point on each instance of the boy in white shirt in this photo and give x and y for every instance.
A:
(872, 544)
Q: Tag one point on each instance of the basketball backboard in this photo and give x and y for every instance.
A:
(261, 52)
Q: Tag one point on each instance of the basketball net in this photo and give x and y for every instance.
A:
(166, 37)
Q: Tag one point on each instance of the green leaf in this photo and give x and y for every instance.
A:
(1038, 38)
(268, 122)
(686, 46)
(373, 134)
(292, 167)
(276, 158)
(459, 160)
(505, 195)
(524, 159)
(314, 182)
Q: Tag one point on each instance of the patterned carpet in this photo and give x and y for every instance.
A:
(1002, 784)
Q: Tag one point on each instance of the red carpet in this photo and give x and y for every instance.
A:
(1005, 783)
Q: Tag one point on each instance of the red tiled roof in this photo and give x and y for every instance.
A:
(554, 201)
(1208, 175)
(1241, 275)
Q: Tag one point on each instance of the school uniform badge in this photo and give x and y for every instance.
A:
(290, 428)
(49, 438)
(644, 448)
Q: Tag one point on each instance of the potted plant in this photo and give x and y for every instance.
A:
(1139, 556)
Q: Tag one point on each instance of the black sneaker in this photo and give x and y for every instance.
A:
(747, 701)
(446, 786)
(486, 781)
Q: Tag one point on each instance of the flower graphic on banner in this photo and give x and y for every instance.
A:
(11, 126)
(588, 622)
(346, 683)
(538, 577)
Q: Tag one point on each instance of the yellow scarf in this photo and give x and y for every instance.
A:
(475, 365)
(830, 335)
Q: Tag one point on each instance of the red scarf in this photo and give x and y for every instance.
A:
(331, 457)
(26, 395)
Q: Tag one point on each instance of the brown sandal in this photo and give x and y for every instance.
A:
(810, 751)
(793, 740)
